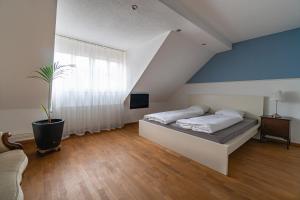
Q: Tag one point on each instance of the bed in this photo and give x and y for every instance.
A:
(210, 153)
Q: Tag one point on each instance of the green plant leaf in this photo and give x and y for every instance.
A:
(38, 77)
(48, 73)
(42, 74)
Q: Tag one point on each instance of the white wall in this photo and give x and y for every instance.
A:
(137, 60)
(289, 107)
(176, 60)
(26, 43)
(139, 57)
(135, 115)
(173, 65)
(18, 121)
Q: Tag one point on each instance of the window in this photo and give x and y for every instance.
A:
(98, 71)
(90, 96)
(91, 75)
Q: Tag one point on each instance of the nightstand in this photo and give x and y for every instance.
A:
(276, 127)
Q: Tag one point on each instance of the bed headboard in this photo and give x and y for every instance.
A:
(252, 105)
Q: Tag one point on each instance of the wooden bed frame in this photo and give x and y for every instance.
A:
(206, 152)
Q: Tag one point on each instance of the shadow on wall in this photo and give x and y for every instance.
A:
(267, 104)
(291, 97)
(288, 98)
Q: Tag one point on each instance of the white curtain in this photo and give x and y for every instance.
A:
(90, 96)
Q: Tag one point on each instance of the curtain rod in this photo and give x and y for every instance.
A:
(89, 42)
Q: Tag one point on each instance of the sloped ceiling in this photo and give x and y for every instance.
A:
(174, 63)
(216, 23)
(139, 58)
(239, 20)
(113, 23)
(142, 33)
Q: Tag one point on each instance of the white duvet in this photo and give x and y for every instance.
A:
(208, 123)
(171, 116)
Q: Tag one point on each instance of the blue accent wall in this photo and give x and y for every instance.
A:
(275, 56)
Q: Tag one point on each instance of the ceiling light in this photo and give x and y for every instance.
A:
(134, 7)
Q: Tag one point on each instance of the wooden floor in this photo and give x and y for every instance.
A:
(121, 165)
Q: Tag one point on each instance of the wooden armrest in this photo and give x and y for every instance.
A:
(8, 144)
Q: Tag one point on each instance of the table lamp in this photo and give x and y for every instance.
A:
(276, 96)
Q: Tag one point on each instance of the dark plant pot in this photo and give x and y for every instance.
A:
(48, 135)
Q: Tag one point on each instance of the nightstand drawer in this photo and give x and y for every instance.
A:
(278, 127)
(275, 127)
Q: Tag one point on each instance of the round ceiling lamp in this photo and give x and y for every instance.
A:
(134, 7)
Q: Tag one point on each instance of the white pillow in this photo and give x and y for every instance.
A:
(202, 108)
(231, 112)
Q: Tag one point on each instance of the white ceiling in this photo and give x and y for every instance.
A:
(215, 22)
(239, 20)
(113, 23)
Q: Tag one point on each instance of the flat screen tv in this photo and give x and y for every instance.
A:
(139, 101)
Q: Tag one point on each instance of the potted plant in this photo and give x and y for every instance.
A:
(48, 132)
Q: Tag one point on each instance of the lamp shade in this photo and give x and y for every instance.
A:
(277, 96)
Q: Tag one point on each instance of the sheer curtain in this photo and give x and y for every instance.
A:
(90, 95)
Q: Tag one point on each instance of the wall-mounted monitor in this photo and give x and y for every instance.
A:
(139, 101)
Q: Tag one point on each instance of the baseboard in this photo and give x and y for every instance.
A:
(131, 123)
(22, 137)
(295, 144)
